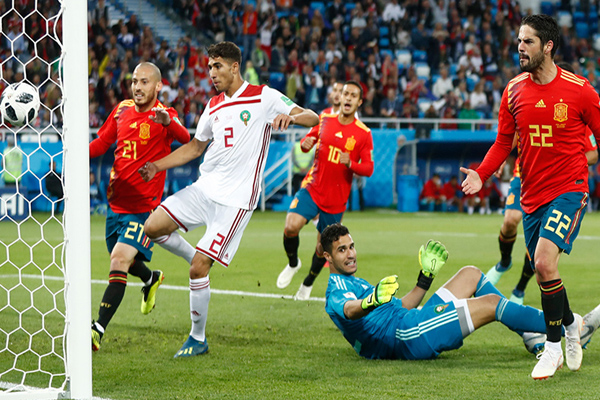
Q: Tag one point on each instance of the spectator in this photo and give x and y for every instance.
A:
(249, 29)
(432, 197)
(250, 74)
(392, 105)
(13, 162)
(467, 112)
(301, 163)
(453, 193)
(479, 100)
(443, 84)
(278, 56)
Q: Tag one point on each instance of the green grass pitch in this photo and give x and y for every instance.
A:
(277, 348)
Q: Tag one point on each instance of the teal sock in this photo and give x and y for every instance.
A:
(520, 318)
(484, 286)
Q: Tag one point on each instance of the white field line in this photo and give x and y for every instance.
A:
(173, 287)
(23, 390)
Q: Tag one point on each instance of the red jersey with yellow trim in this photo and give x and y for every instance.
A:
(590, 145)
(328, 181)
(139, 140)
(549, 121)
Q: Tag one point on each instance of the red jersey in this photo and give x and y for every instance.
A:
(139, 140)
(549, 121)
(431, 190)
(328, 181)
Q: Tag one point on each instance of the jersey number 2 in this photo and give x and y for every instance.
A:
(228, 136)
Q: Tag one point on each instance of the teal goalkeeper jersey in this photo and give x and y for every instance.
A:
(372, 336)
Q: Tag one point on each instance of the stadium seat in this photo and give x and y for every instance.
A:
(565, 19)
(420, 56)
(582, 30)
(422, 70)
(579, 16)
(547, 8)
(596, 42)
(386, 52)
(384, 31)
(453, 69)
(423, 104)
(403, 57)
(318, 5)
(277, 81)
(384, 43)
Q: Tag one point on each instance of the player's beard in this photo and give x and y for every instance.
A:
(534, 62)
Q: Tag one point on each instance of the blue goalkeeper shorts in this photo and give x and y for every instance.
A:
(438, 326)
(128, 229)
(304, 205)
(558, 221)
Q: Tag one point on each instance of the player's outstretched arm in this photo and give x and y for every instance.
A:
(472, 183)
(182, 155)
(298, 116)
(382, 293)
(432, 257)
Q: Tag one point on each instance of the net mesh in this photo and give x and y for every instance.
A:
(32, 301)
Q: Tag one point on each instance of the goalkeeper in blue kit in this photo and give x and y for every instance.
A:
(379, 325)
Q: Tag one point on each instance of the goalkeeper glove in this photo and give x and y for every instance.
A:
(432, 257)
(383, 293)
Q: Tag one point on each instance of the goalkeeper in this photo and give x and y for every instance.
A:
(379, 325)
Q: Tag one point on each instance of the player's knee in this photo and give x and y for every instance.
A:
(118, 262)
(200, 266)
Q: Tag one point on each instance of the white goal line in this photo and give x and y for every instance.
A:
(173, 287)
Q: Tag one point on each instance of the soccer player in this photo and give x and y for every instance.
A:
(548, 109)
(344, 148)
(513, 213)
(144, 130)
(234, 130)
(379, 325)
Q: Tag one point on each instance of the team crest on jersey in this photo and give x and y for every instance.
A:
(145, 131)
(133, 126)
(350, 143)
(440, 309)
(560, 112)
(510, 200)
(245, 117)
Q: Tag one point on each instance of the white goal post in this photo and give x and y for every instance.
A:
(71, 345)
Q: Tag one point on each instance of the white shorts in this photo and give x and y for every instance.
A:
(190, 208)
(462, 308)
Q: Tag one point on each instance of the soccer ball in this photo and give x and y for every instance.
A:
(19, 104)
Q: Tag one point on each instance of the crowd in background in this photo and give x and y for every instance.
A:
(413, 58)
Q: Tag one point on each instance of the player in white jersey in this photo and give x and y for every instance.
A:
(235, 130)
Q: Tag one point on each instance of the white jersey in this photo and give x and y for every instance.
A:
(240, 127)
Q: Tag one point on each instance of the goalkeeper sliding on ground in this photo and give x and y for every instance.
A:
(379, 325)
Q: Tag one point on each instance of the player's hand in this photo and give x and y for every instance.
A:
(383, 293)
(148, 171)
(432, 257)
(472, 183)
(345, 159)
(161, 116)
(282, 121)
(308, 143)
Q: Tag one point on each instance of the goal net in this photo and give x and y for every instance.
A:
(45, 350)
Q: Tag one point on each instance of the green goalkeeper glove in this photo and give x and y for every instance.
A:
(383, 293)
(432, 257)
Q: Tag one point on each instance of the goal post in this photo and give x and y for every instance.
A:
(45, 260)
(77, 200)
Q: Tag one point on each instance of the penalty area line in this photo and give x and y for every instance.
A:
(173, 287)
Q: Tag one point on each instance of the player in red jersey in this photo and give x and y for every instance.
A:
(548, 109)
(344, 148)
(144, 130)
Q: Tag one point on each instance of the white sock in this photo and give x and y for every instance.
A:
(555, 347)
(176, 245)
(573, 329)
(199, 298)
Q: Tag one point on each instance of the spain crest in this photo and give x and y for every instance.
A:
(145, 131)
(350, 143)
(560, 112)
